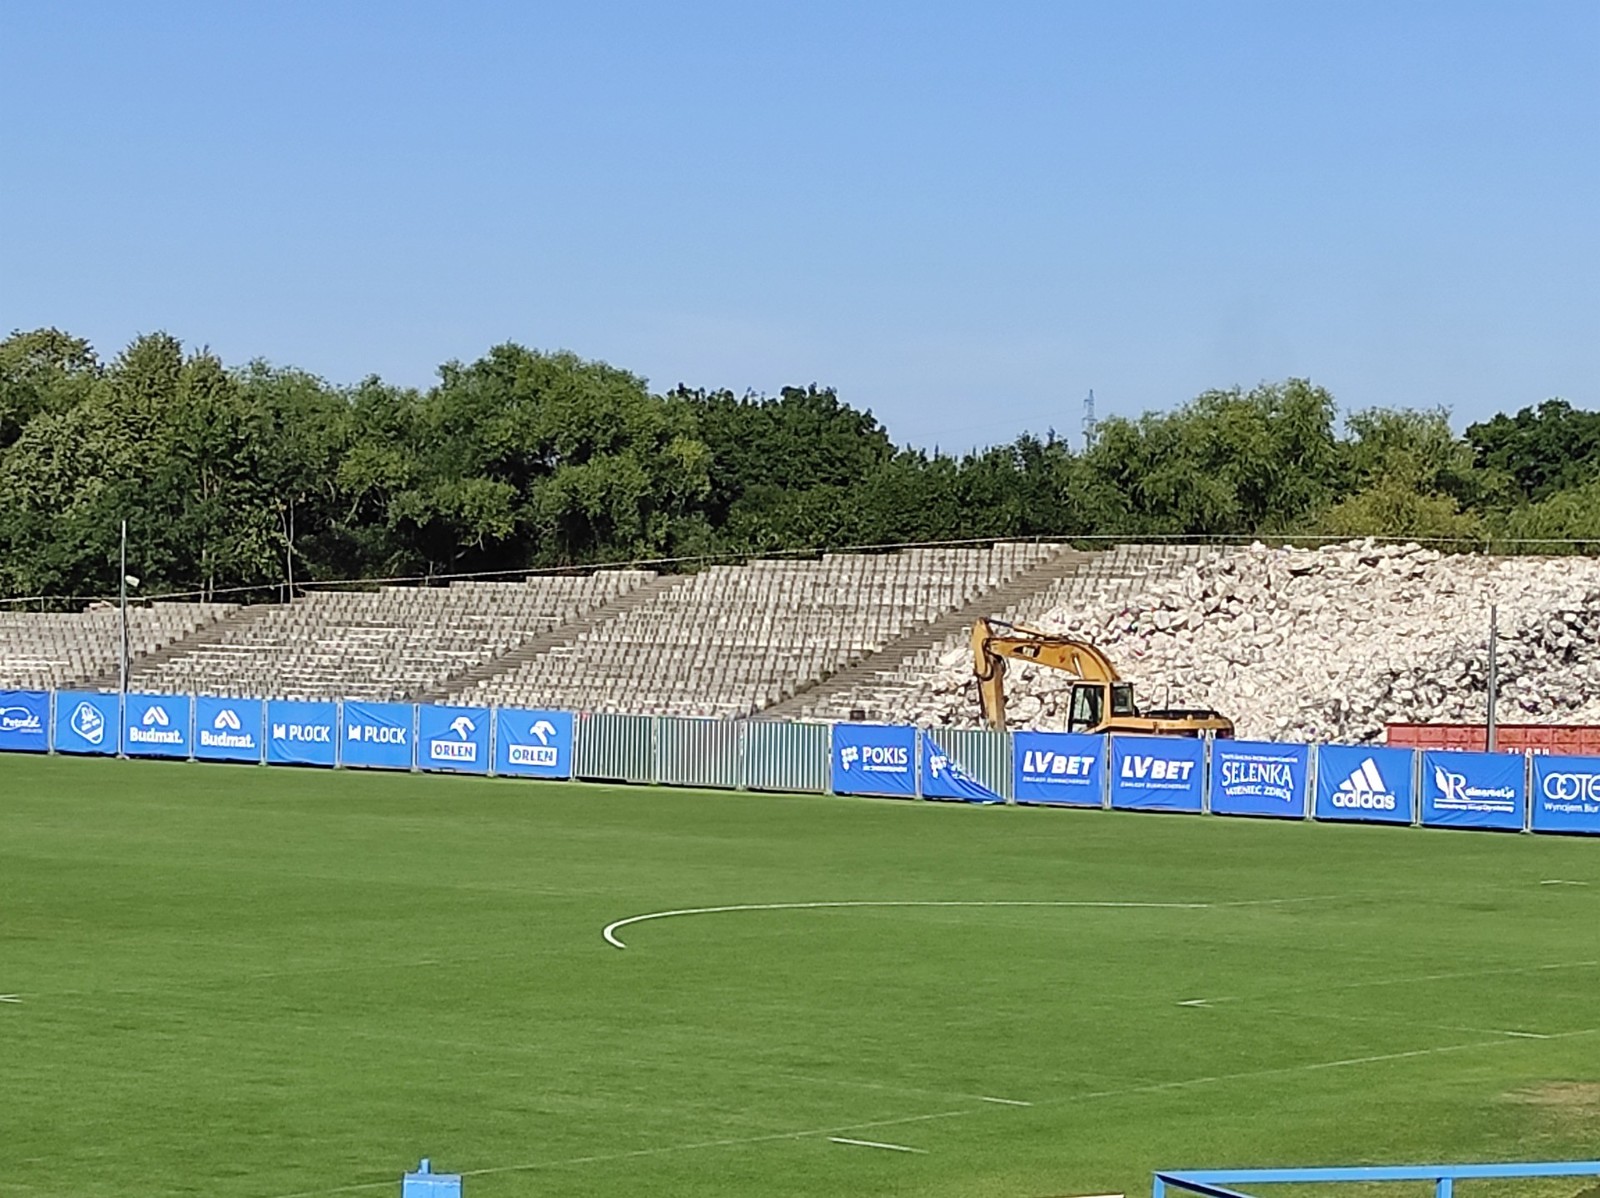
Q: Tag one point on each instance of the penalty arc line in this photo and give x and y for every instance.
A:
(609, 932)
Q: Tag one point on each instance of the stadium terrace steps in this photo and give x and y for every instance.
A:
(213, 633)
(464, 689)
(390, 644)
(732, 641)
(769, 636)
(45, 650)
(894, 686)
(835, 691)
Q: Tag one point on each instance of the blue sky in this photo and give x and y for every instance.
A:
(962, 216)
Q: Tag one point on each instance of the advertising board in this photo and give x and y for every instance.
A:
(533, 744)
(1363, 782)
(377, 736)
(227, 729)
(1157, 773)
(874, 759)
(156, 726)
(24, 721)
(1059, 767)
(1473, 790)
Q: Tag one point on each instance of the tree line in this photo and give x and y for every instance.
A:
(261, 476)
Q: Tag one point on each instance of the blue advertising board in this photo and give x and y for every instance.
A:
(1566, 794)
(943, 777)
(377, 735)
(156, 726)
(1058, 767)
(1157, 773)
(227, 729)
(1365, 783)
(533, 744)
(874, 759)
(1473, 790)
(1251, 777)
(300, 733)
(25, 721)
(87, 722)
(454, 739)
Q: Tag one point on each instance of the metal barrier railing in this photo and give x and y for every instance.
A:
(1220, 1183)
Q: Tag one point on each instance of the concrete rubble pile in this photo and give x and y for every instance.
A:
(1327, 644)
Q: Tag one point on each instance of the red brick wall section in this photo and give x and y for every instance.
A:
(1574, 740)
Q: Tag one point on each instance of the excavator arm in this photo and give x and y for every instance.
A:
(1101, 700)
(995, 640)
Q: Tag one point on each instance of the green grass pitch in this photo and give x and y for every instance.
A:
(252, 983)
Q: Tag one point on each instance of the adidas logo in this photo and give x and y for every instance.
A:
(1365, 789)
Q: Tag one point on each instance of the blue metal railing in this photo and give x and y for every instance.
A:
(1219, 1183)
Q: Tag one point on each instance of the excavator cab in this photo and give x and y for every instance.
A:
(1087, 710)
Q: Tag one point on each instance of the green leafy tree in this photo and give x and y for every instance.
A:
(44, 370)
(1230, 462)
(1541, 450)
(549, 459)
(763, 449)
(1566, 521)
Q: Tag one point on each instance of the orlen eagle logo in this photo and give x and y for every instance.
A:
(19, 719)
(463, 748)
(1571, 792)
(88, 723)
(1455, 794)
(544, 754)
(1365, 790)
(227, 732)
(155, 728)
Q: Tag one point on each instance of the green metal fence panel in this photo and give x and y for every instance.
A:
(984, 755)
(614, 748)
(792, 757)
(699, 752)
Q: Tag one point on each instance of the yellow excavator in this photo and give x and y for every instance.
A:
(1101, 701)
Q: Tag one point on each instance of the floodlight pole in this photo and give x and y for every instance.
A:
(122, 605)
(1494, 675)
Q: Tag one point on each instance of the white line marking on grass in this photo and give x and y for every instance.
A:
(1343, 1063)
(16, 998)
(889, 1088)
(876, 1144)
(634, 1154)
(1561, 882)
(773, 1137)
(610, 930)
(1195, 1002)
(1388, 1020)
(1422, 977)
